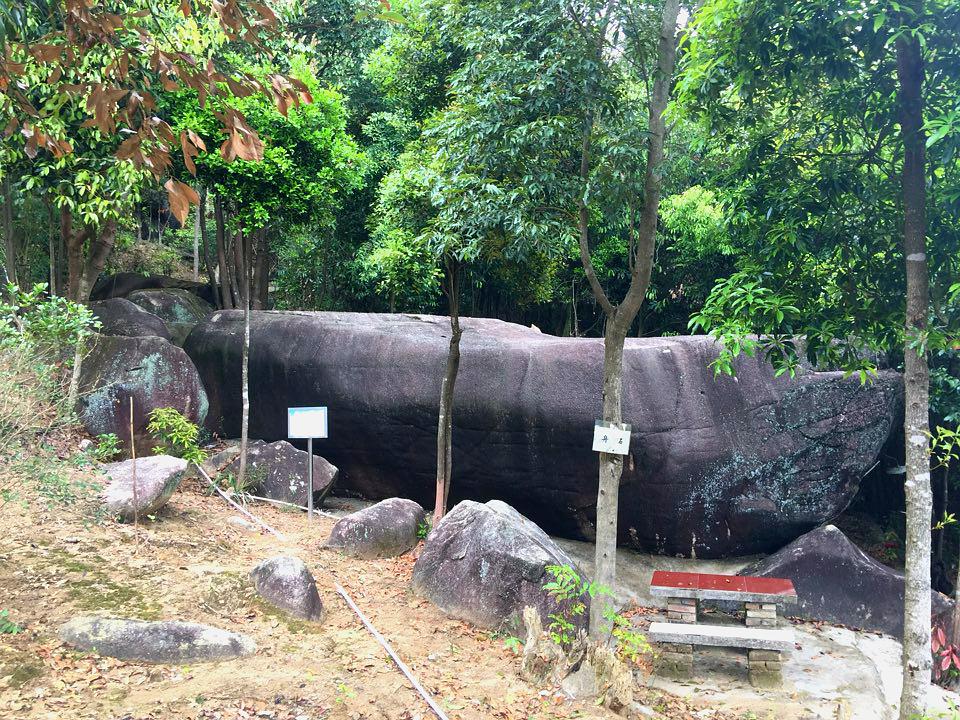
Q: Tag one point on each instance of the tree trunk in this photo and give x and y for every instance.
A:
(226, 299)
(102, 241)
(73, 241)
(52, 249)
(245, 369)
(196, 243)
(917, 661)
(445, 419)
(620, 318)
(10, 250)
(261, 272)
(205, 242)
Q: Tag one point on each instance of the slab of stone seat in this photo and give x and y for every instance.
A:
(739, 636)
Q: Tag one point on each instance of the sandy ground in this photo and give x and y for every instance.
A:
(191, 562)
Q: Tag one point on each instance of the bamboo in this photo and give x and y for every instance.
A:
(386, 646)
(249, 514)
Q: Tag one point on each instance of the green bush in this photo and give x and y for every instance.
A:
(178, 436)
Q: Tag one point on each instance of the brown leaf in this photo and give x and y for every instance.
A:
(180, 197)
(185, 8)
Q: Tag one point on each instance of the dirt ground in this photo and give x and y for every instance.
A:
(192, 563)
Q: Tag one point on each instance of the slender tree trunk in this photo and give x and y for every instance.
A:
(445, 420)
(619, 318)
(917, 661)
(245, 370)
(196, 243)
(10, 250)
(237, 268)
(52, 249)
(205, 242)
(226, 299)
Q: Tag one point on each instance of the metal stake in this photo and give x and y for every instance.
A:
(309, 479)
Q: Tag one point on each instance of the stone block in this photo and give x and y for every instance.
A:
(764, 655)
(767, 679)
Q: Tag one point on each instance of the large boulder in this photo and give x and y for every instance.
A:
(387, 529)
(278, 470)
(839, 583)
(718, 466)
(124, 283)
(180, 309)
(286, 583)
(484, 563)
(141, 487)
(153, 372)
(166, 641)
(119, 316)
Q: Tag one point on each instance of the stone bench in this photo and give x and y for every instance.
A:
(763, 645)
(760, 596)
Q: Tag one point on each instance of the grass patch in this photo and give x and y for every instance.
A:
(18, 668)
(94, 590)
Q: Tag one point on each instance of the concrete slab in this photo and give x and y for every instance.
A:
(738, 636)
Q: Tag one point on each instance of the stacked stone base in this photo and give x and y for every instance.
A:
(682, 610)
(761, 614)
(674, 661)
(766, 668)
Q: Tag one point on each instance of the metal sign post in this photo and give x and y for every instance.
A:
(307, 423)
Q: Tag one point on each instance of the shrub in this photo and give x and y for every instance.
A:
(178, 436)
(570, 590)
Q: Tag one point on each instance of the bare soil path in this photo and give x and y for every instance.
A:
(192, 563)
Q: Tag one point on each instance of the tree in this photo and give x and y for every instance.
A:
(78, 74)
(825, 150)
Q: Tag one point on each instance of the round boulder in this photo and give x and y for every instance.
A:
(156, 478)
(167, 641)
(387, 529)
(285, 582)
(119, 316)
(180, 309)
(155, 373)
(484, 563)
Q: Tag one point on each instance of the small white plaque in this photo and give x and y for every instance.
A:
(307, 422)
(611, 438)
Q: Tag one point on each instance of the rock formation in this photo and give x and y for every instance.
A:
(837, 582)
(718, 465)
(149, 369)
(119, 316)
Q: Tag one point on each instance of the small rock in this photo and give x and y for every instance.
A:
(241, 523)
(285, 582)
(157, 476)
(167, 641)
(85, 445)
(387, 529)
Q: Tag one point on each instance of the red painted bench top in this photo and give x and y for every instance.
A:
(722, 587)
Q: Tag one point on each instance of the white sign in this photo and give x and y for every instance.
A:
(307, 422)
(611, 438)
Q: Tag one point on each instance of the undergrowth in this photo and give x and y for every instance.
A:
(42, 338)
